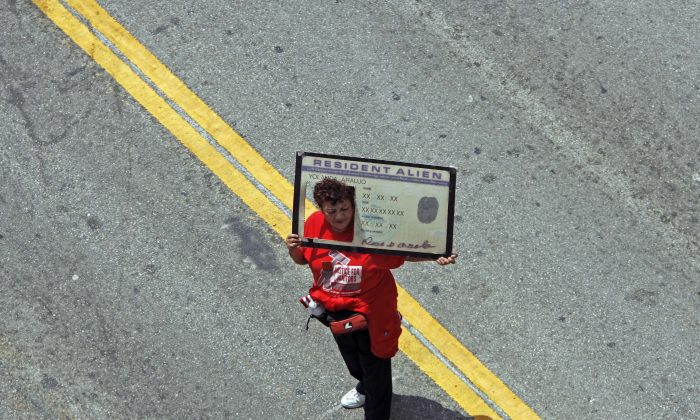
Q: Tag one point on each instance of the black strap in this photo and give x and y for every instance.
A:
(323, 319)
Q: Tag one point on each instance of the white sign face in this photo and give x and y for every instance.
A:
(400, 208)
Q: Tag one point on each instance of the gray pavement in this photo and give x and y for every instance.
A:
(134, 284)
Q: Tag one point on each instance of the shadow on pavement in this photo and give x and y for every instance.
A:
(408, 407)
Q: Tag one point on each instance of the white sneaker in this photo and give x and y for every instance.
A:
(352, 399)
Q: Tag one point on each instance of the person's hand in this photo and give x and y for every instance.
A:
(447, 260)
(293, 242)
(294, 247)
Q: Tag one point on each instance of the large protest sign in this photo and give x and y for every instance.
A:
(400, 208)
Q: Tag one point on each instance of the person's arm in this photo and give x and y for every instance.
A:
(293, 246)
(442, 260)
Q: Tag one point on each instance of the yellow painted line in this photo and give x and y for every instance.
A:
(268, 176)
(167, 116)
(436, 370)
(463, 359)
(186, 99)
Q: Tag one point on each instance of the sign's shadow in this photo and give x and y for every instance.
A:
(410, 407)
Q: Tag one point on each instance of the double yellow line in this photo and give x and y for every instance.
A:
(436, 352)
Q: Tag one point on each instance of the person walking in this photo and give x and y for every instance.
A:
(346, 284)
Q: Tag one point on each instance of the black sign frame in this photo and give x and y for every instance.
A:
(299, 203)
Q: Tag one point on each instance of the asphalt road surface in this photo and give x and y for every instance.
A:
(135, 284)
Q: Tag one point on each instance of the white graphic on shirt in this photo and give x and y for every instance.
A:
(339, 278)
(338, 258)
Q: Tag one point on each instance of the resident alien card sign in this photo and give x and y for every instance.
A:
(400, 208)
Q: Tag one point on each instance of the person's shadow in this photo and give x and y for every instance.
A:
(409, 407)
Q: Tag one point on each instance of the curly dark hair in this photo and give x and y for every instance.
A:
(330, 190)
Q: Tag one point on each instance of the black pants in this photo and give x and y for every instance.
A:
(372, 372)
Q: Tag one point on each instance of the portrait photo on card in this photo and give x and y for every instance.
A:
(400, 208)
